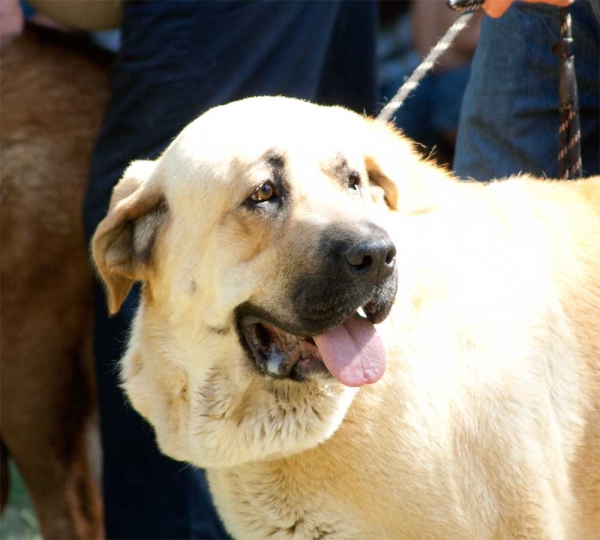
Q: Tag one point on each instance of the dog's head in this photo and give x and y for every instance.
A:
(265, 269)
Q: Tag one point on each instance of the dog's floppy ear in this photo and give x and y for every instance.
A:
(393, 164)
(123, 243)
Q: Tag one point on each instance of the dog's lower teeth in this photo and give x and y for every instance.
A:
(361, 312)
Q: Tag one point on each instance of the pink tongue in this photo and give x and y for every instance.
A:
(354, 352)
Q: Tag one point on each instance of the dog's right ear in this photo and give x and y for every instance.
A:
(123, 243)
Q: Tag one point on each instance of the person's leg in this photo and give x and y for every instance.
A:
(509, 117)
(177, 60)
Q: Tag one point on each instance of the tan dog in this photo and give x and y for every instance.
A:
(258, 235)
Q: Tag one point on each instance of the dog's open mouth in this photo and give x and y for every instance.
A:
(353, 352)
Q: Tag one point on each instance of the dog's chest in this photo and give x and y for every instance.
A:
(317, 495)
(265, 501)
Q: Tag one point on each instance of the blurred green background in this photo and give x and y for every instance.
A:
(18, 521)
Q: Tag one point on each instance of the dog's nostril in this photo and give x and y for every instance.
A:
(391, 255)
(359, 256)
(361, 262)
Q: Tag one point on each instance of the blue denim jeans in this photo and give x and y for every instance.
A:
(509, 117)
(178, 59)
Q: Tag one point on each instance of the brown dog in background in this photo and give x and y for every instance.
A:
(53, 91)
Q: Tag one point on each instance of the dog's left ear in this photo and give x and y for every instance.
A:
(124, 241)
(393, 164)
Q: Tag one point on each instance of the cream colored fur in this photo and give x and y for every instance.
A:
(486, 424)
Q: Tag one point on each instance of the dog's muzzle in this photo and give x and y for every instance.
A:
(333, 311)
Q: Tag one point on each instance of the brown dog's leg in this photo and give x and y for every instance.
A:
(44, 429)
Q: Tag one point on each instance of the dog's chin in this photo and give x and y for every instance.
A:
(292, 351)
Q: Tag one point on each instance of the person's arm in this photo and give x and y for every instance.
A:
(89, 15)
(496, 8)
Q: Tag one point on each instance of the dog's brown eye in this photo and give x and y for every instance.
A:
(354, 181)
(264, 192)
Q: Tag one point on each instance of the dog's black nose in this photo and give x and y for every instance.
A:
(372, 260)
